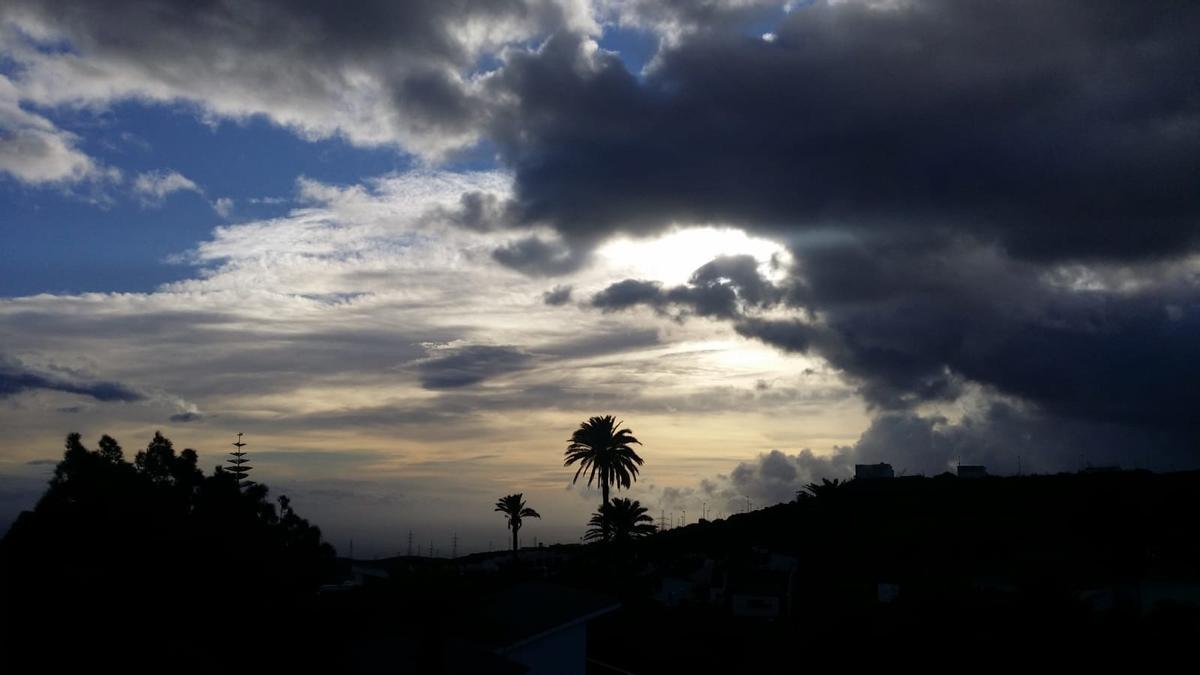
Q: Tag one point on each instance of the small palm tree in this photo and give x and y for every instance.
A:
(621, 520)
(825, 487)
(604, 451)
(514, 507)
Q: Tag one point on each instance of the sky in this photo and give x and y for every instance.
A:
(407, 248)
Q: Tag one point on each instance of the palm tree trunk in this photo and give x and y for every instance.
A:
(515, 541)
(604, 494)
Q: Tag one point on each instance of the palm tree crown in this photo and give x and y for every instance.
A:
(514, 507)
(603, 450)
(622, 520)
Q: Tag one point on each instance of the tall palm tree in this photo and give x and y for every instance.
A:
(604, 451)
(514, 507)
(622, 520)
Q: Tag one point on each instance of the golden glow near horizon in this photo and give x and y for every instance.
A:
(318, 347)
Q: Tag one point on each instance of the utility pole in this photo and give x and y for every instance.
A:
(454, 546)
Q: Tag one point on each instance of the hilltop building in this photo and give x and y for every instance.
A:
(873, 471)
(972, 471)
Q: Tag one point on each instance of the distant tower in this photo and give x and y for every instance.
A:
(239, 462)
(410, 542)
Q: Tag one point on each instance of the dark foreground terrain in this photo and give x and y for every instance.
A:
(1086, 567)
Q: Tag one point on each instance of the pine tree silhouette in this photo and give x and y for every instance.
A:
(239, 461)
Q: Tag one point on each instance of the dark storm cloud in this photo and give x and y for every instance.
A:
(1003, 437)
(1006, 438)
(536, 256)
(559, 295)
(478, 211)
(1064, 130)
(918, 323)
(15, 379)
(629, 293)
(433, 102)
(936, 167)
(465, 366)
(186, 417)
(722, 288)
(913, 327)
(378, 72)
(741, 273)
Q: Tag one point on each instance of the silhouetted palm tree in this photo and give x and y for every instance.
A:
(513, 506)
(825, 487)
(621, 520)
(603, 451)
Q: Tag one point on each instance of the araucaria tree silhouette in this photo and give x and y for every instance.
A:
(621, 520)
(514, 507)
(240, 463)
(604, 451)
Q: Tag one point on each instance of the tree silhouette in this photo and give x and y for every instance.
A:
(824, 488)
(240, 463)
(604, 450)
(514, 507)
(112, 541)
(621, 520)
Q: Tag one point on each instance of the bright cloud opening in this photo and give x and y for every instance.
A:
(672, 258)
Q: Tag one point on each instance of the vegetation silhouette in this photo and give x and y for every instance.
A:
(603, 449)
(239, 464)
(825, 488)
(113, 541)
(620, 521)
(513, 506)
